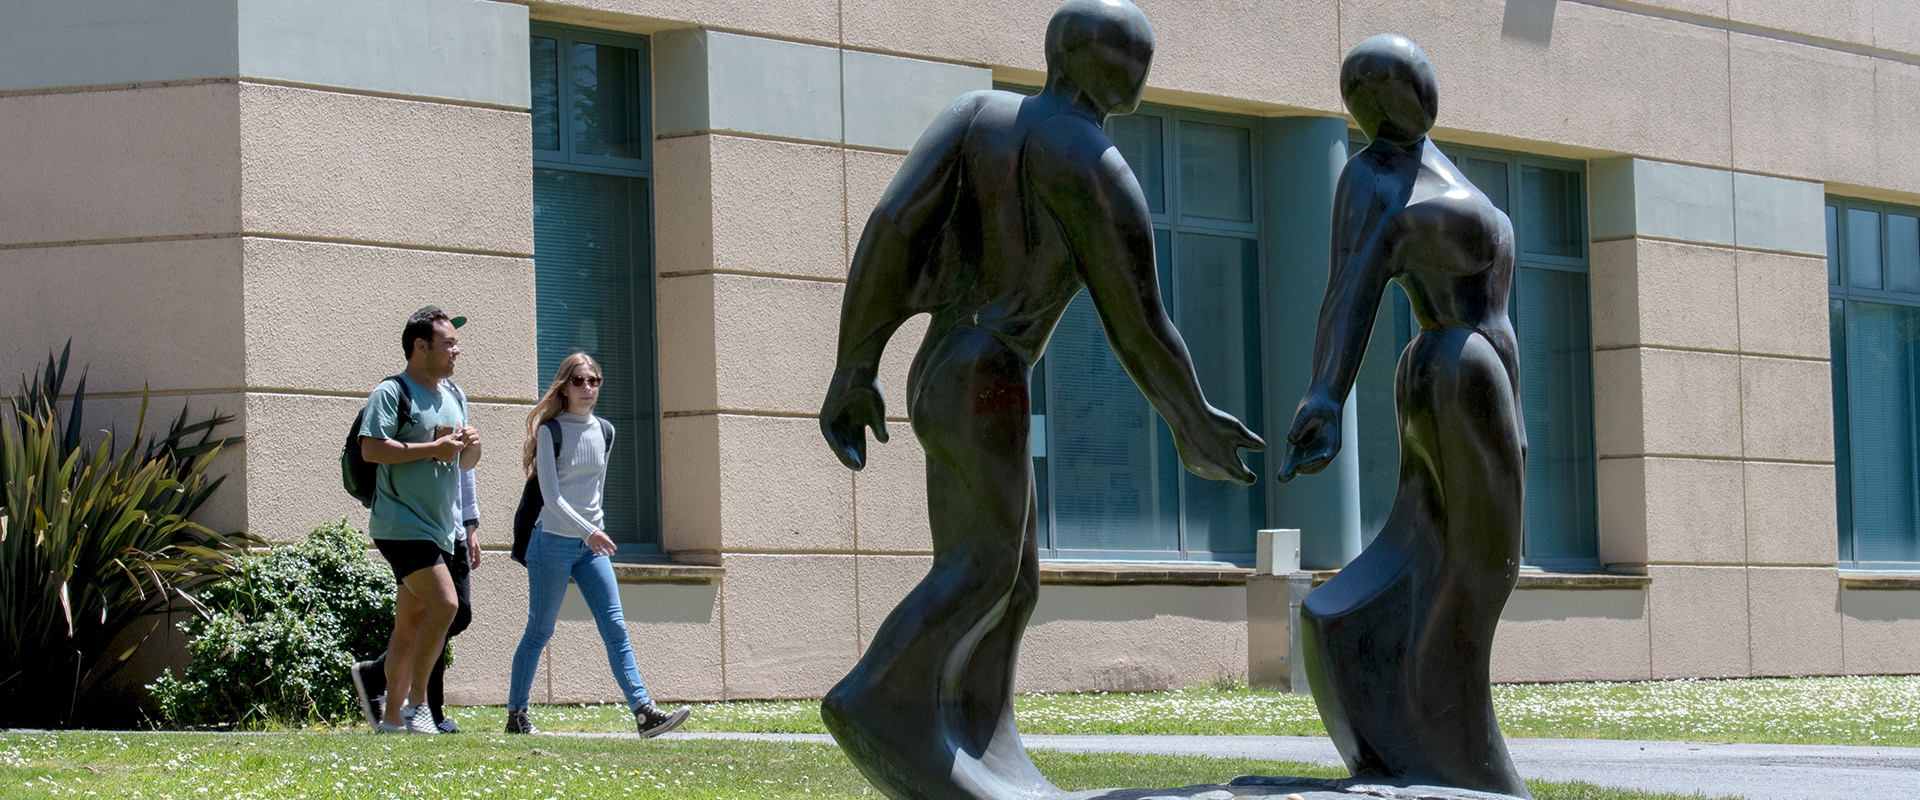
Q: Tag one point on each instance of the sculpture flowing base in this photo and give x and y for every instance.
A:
(927, 713)
(1397, 644)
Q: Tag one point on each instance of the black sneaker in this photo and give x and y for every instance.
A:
(369, 703)
(652, 721)
(517, 721)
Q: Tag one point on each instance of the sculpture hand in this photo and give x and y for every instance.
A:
(854, 403)
(1214, 453)
(1314, 439)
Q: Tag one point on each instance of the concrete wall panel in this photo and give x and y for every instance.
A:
(687, 346)
(778, 208)
(868, 174)
(1133, 638)
(1796, 620)
(1783, 305)
(1638, 197)
(111, 42)
(1569, 92)
(1804, 111)
(1790, 514)
(890, 495)
(683, 204)
(790, 624)
(1694, 512)
(465, 50)
(1699, 622)
(774, 341)
(1621, 485)
(815, 20)
(718, 81)
(1850, 21)
(328, 165)
(165, 315)
(1663, 293)
(690, 483)
(890, 100)
(1559, 635)
(1882, 631)
(1787, 406)
(1778, 214)
(122, 164)
(1894, 114)
(781, 488)
(327, 317)
(1666, 402)
(674, 630)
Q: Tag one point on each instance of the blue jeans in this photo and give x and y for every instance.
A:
(550, 561)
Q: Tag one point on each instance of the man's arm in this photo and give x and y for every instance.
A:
(881, 281)
(389, 451)
(1088, 188)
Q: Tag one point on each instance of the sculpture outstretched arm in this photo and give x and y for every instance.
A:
(1356, 281)
(1087, 187)
(882, 282)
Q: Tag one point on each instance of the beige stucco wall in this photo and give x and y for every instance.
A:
(285, 226)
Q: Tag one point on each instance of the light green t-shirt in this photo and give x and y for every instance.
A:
(415, 500)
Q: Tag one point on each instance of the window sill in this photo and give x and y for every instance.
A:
(1880, 580)
(1072, 573)
(667, 572)
(1098, 574)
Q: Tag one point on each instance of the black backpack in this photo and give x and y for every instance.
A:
(356, 472)
(531, 501)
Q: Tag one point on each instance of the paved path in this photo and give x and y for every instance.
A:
(1752, 771)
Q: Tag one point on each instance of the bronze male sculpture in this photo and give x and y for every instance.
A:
(1397, 644)
(1003, 210)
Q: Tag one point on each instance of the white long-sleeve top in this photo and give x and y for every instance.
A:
(469, 510)
(571, 484)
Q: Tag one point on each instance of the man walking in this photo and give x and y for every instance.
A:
(415, 428)
(370, 677)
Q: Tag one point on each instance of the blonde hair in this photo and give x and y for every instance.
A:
(552, 403)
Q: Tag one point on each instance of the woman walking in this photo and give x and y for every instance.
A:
(566, 449)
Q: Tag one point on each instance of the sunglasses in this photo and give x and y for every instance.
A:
(579, 381)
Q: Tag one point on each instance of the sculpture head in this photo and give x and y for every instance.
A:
(1389, 87)
(1101, 49)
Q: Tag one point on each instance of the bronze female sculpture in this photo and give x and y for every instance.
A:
(1003, 210)
(1397, 644)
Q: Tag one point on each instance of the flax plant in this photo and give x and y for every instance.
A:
(92, 539)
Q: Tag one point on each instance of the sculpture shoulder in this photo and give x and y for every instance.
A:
(1066, 149)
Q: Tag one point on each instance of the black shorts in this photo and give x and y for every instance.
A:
(408, 556)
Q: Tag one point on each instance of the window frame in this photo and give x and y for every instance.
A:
(1172, 222)
(1840, 293)
(1582, 265)
(639, 547)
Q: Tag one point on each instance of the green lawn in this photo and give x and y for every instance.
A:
(315, 765)
(1865, 710)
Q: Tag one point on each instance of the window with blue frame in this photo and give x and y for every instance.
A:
(1546, 199)
(1873, 279)
(593, 250)
(1110, 484)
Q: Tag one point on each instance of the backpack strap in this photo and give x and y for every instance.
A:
(606, 433)
(461, 395)
(553, 432)
(405, 405)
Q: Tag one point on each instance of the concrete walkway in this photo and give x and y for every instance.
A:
(1751, 771)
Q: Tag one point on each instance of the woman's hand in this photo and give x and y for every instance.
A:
(601, 544)
(1314, 439)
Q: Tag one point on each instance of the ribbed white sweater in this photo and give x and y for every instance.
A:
(571, 485)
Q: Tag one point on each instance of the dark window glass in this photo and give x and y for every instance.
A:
(1139, 140)
(594, 293)
(1554, 212)
(1863, 248)
(1216, 171)
(545, 65)
(1903, 253)
(607, 116)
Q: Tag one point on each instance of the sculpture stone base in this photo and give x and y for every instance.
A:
(1251, 787)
